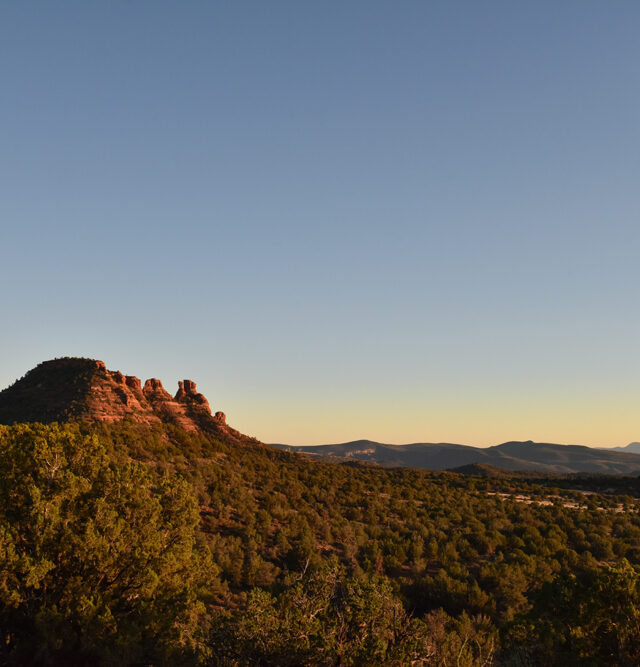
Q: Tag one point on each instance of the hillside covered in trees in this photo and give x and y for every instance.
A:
(127, 543)
(136, 528)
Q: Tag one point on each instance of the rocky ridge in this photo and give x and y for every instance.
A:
(81, 389)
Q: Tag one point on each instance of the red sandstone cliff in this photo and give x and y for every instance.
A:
(84, 390)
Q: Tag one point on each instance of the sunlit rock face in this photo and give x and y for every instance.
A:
(85, 390)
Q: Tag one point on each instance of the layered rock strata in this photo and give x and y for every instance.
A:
(85, 390)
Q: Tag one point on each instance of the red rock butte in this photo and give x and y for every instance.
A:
(79, 389)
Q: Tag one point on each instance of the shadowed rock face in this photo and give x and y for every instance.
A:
(84, 390)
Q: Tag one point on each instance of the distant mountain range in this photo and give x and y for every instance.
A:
(632, 447)
(542, 457)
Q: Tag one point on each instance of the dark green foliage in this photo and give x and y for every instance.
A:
(592, 616)
(98, 561)
(121, 544)
(328, 618)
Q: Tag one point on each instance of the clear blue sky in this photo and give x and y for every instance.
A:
(413, 221)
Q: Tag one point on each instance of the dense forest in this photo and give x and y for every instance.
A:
(129, 545)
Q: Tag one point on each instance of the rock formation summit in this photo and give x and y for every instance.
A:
(81, 389)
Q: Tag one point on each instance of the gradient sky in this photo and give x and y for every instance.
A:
(414, 221)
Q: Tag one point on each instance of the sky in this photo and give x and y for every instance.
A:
(409, 222)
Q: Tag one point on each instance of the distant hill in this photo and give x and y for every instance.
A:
(521, 456)
(632, 447)
(74, 388)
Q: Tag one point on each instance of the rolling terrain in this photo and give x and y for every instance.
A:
(67, 389)
(138, 528)
(515, 456)
(632, 447)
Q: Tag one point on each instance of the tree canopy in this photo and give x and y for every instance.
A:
(122, 544)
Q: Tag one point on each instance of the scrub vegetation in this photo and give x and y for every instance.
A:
(128, 544)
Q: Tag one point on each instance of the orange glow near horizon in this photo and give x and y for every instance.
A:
(582, 423)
